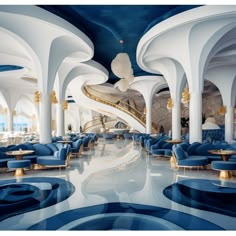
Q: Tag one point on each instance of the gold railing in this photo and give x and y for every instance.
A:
(123, 106)
(87, 127)
(91, 123)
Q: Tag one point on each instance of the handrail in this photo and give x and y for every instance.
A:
(91, 122)
(85, 129)
(140, 117)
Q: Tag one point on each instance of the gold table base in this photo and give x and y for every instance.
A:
(225, 174)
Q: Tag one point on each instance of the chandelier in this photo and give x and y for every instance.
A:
(185, 97)
(122, 68)
(169, 105)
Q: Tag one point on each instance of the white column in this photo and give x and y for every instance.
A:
(60, 120)
(229, 124)
(176, 124)
(45, 119)
(10, 122)
(195, 117)
(148, 102)
(37, 119)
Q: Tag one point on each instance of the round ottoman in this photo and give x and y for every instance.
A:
(19, 165)
(225, 168)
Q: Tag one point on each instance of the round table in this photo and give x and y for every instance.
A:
(19, 157)
(65, 141)
(19, 154)
(174, 141)
(225, 154)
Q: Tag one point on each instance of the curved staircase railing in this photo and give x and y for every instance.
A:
(123, 106)
(94, 123)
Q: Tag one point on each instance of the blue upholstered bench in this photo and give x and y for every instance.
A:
(225, 168)
(19, 165)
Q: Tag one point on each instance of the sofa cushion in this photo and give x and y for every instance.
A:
(50, 161)
(52, 146)
(3, 155)
(204, 149)
(191, 150)
(3, 149)
(194, 161)
(56, 154)
(62, 153)
(18, 147)
(180, 153)
(42, 150)
(29, 146)
(184, 145)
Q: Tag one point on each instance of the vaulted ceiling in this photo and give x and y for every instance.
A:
(106, 25)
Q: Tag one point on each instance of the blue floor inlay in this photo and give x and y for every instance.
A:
(31, 194)
(124, 216)
(215, 196)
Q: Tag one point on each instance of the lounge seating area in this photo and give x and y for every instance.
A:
(219, 155)
(51, 155)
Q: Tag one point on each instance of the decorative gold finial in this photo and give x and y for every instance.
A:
(54, 97)
(185, 95)
(65, 105)
(221, 111)
(37, 96)
(169, 104)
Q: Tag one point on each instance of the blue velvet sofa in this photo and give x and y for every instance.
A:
(196, 154)
(41, 152)
(162, 148)
(183, 159)
(202, 149)
(59, 158)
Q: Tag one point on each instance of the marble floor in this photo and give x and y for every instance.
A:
(116, 172)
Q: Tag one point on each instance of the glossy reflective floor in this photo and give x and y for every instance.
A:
(116, 175)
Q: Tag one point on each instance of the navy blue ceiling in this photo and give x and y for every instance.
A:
(9, 68)
(106, 25)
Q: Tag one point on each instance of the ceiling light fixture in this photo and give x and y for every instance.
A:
(122, 68)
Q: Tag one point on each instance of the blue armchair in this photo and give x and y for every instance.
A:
(183, 159)
(77, 148)
(60, 158)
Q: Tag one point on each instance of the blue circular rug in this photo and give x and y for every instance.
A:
(124, 216)
(31, 194)
(211, 195)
